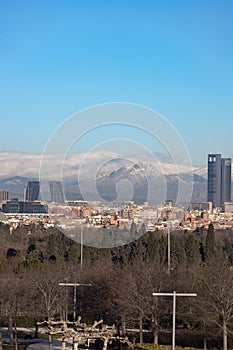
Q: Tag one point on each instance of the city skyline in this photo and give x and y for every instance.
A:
(175, 58)
(215, 177)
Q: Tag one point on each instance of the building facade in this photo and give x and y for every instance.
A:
(202, 206)
(21, 207)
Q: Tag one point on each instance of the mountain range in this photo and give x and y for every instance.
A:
(103, 175)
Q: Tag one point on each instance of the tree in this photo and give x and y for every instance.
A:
(192, 246)
(13, 297)
(210, 245)
(134, 300)
(178, 255)
(215, 295)
(49, 293)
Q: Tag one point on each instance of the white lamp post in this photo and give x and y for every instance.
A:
(174, 295)
(75, 285)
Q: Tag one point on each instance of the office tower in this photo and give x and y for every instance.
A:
(32, 191)
(226, 180)
(219, 179)
(214, 179)
(56, 191)
(4, 195)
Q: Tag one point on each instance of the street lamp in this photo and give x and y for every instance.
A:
(169, 247)
(75, 285)
(174, 295)
(81, 248)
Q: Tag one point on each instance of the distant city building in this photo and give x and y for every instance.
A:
(56, 191)
(214, 179)
(32, 191)
(226, 180)
(202, 206)
(219, 180)
(169, 203)
(21, 207)
(228, 207)
(4, 195)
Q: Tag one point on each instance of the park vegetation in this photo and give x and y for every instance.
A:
(33, 261)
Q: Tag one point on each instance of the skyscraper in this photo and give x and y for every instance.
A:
(56, 191)
(32, 191)
(219, 179)
(4, 195)
(214, 179)
(226, 180)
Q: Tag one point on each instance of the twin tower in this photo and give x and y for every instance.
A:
(32, 191)
(219, 180)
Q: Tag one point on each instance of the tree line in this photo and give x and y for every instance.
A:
(34, 261)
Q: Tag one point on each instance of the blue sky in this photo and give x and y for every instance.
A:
(58, 57)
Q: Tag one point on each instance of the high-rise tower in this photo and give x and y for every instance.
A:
(56, 191)
(219, 179)
(214, 179)
(226, 180)
(32, 191)
(4, 195)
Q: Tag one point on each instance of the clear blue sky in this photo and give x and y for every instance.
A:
(57, 57)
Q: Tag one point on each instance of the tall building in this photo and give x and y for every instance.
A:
(219, 179)
(32, 191)
(4, 195)
(214, 179)
(226, 180)
(56, 192)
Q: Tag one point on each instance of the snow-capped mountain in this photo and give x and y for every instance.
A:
(104, 175)
(29, 165)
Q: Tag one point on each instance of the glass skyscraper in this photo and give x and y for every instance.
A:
(56, 191)
(226, 180)
(219, 179)
(32, 191)
(214, 179)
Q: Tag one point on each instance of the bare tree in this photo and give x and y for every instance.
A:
(132, 292)
(48, 293)
(12, 295)
(215, 295)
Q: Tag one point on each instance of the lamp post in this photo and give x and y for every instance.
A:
(81, 248)
(169, 247)
(174, 295)
(75, 285)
